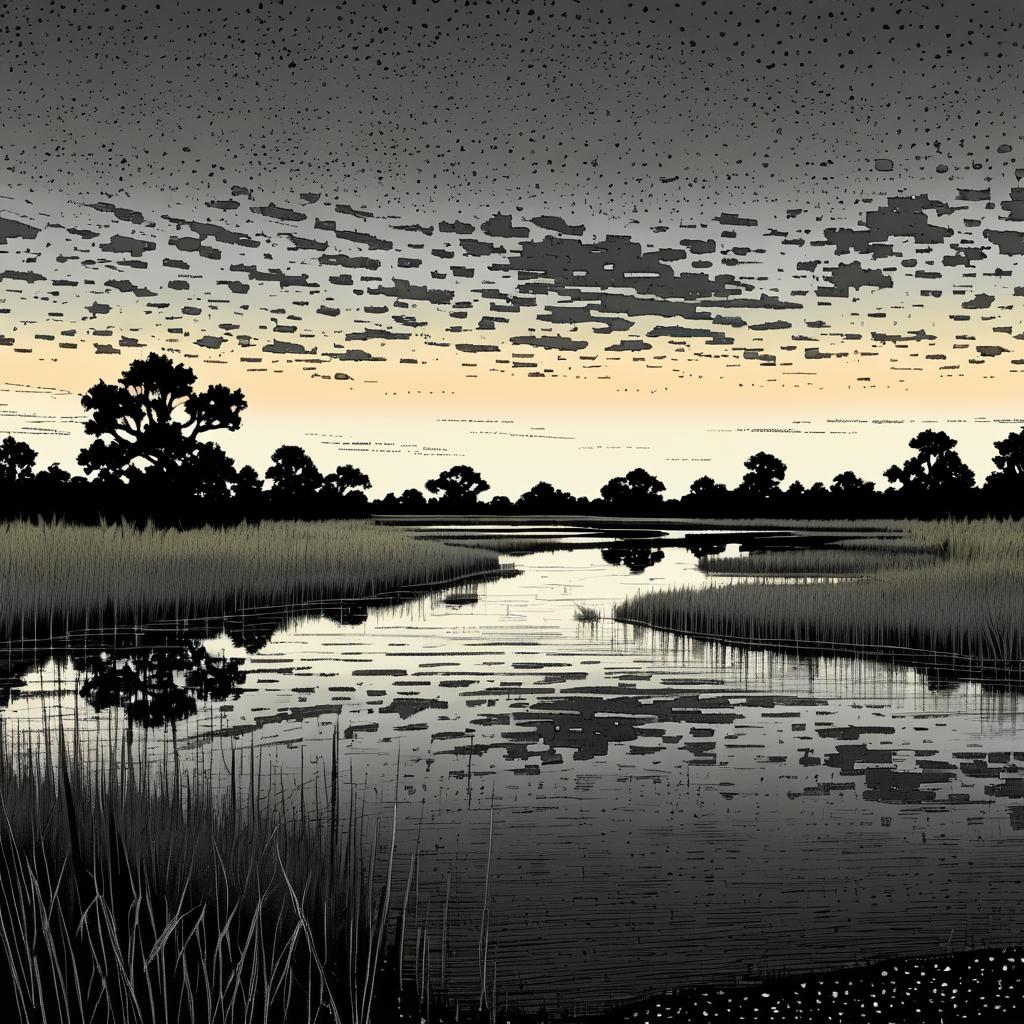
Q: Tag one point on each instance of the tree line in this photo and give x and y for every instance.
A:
(151, 458)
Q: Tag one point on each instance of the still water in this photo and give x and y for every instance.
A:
(658, 810)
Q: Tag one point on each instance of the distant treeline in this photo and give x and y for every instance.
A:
(151, 460)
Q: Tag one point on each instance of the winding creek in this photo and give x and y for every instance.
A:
(659, 810)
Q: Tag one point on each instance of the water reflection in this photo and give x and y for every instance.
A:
(158, 685)
(635, 558)
(665, 809)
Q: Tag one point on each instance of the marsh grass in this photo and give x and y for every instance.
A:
(132, 893)
(52, 574)
(828, 561)
(584, 613)
(966, 602)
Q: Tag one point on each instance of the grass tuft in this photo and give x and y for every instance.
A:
(965, 601)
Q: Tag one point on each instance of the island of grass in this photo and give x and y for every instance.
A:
(953, 588)
(55, 575)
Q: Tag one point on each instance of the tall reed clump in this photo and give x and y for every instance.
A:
(131, 894)
(965, 601)
(55, 572)
(829, 561)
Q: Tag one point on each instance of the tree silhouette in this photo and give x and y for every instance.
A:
(149, 458)
(248, 490)
(153, 418)
(17, 460)
(543, 497)
(764, 474)
(707, 489)
(345, 479)
(848, 485)
(208, 474)
(343, 489)
(935, 469)
(412, 500)
(295, 480)
(53, 476)
(707, 496)
(1009, 461)
(636, 491)
(1005, 487)
(458, 486)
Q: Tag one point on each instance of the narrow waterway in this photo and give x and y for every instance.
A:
(658, 810)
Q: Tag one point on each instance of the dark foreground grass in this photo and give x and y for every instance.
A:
(963, 599)
(133, 895)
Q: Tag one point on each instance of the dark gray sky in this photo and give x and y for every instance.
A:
(522, 224)
(424, 104)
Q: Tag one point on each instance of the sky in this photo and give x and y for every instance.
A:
(555, 240)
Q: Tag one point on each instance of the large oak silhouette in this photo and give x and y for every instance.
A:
(153, 420)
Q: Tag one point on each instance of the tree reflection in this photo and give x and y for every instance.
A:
(635, 559)
(158, 685)
(700, 547)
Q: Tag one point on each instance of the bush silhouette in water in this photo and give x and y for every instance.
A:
(635, 559)
(158, 686)
(702, 547)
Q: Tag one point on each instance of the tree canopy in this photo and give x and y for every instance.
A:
(765, 472)
(936, 467)
(458, 486)
(151, 457)
(637, 488)
(153, 419)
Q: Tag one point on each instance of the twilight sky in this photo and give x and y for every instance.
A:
(554, 239)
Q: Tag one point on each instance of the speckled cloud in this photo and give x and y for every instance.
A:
(777, 194)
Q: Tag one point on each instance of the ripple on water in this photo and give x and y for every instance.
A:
(664, 810)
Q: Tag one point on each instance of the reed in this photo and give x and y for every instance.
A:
(830, 561)
(51, 573)
(964, 601)
(133, 892)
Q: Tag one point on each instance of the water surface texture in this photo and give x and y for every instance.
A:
(658, 810)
